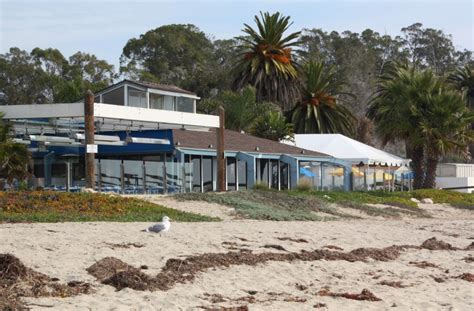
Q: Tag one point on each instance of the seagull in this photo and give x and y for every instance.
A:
(160, 227)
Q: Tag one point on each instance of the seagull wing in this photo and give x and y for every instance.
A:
(157, 227)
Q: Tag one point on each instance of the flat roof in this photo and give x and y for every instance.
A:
(151, 85)
(236, 141)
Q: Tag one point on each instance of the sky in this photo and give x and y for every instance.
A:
(103, 27)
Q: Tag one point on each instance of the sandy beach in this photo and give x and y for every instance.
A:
(66, 250)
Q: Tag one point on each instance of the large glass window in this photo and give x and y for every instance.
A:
(262, 170)
(242, 174)
(196, 164)
(114, 97)
(133, 176)
(157, 101)
(231, 165)
(168, 102)
(110, 175)
(184, 104)
(78, 172)
(284, 175)
(154, 176)
(274, 174)
(207, 171)
(136, 98)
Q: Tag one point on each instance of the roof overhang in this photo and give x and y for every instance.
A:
(57, 118)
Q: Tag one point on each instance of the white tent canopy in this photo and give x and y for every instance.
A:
(345, 148)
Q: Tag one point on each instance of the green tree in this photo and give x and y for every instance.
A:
(272, 125)
(417, 108)
(445, 127)
(267, 61)
(320, 109)
(21, 78)
(46, 76)
(174, 54)
(463, 80)
(14, 157)
(432, 48)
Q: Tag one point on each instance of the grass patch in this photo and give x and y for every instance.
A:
(454, 198)
(369, 197)
(50, 206)
(269, 204)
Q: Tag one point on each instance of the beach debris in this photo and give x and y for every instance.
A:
(365, 294)
(115, 272)
(466, 277)
(327, 197)
(396, 284)
(415, 200)
(124, 245)
(468, 259)
(292, 240)
(17, 280)
(434, 244)
(275, 246)
(220, 308)
(470, 247)
(320, 305)
(333, 247)
(160, 227)
(301, 287)
(423, 264)
(438, 279)
(427, 201)
(177, 270)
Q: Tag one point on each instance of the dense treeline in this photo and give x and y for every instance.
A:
(185, 56)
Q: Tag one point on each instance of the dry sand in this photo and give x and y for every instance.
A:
(65, 250)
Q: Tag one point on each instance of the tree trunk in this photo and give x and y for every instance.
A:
(418, 165)
(431, 165)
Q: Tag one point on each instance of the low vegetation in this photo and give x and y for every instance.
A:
(269, 205)
(305, 204)
(48, 206)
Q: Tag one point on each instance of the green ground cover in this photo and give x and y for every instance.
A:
(49, 206)
(267, 204)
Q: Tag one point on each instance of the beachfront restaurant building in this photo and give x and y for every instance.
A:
(372, 168)
(148, 138)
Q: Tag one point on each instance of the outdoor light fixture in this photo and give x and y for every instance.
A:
(110, 143)
(56, 139)
(82, 136)
(143, 140)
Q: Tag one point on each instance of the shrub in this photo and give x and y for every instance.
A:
(259, 185)
(304, 185)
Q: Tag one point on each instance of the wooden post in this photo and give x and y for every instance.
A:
(89, 133)
(220, 147)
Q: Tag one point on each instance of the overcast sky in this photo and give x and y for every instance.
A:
(102, 27)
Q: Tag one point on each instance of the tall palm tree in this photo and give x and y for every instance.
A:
(398, 91)
(266, 60)
(463, 80)
(14, 157)
(445, 127)
(320, 108)
(416, 107)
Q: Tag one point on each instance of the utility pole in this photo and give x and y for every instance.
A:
(221, 166)
(89, 133)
